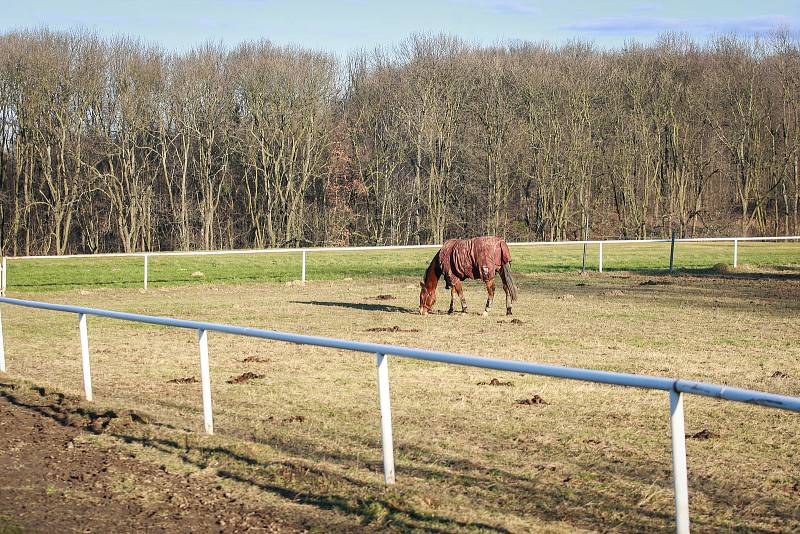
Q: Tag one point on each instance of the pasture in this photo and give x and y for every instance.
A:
(297, 428)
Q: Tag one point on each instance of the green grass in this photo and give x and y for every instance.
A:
(128, 272)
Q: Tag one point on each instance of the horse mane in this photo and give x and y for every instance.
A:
(435, 266)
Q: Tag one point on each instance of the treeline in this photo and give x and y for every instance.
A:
(120, 146)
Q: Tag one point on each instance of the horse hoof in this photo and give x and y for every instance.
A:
(485, 313)
(449, 312)
(508, 312)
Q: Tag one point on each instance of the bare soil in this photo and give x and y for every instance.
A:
(244, 377)
(496, 382)
(55, 477)
(184, 380)
(533, 401)
(703, 434)
(394, 328)
(255, 359)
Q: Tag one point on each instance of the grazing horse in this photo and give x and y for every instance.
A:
(478, 258)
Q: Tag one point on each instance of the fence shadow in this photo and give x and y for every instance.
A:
(303, 477)
(309, 482)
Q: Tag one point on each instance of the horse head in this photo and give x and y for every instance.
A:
(427, 298)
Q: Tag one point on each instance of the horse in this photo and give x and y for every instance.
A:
(479, 258)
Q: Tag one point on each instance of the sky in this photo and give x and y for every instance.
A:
(343, 26)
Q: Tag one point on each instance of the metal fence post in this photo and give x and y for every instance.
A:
(600, 259)
(386, 418)
(87, 372)
(679, 474)
(145, 272)
(303, 272)
(672, 251)
(735, 253)
(205, 378)
(2, 349)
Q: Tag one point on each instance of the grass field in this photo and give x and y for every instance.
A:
(469, 456)
(50, 275)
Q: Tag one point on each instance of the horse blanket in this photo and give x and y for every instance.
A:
(475, 258)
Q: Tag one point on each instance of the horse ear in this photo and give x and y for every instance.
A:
(421, 284)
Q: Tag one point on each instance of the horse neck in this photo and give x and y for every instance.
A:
(433, 274)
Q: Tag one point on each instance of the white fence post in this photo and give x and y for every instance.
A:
(205, 378)
(386, 418)
(87, 372)
(600, 259)
(2, 349)
(303, 272)
(3, 277)
(145, 272)
(679, 474)
(735, 253)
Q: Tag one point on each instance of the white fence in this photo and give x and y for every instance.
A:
(676, 387)
(305, 251)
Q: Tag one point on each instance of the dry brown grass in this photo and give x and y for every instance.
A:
(469, 456)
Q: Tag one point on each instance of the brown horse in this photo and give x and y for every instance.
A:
(478, 258)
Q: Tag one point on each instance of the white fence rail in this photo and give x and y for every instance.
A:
(676, 387)
(305, 251)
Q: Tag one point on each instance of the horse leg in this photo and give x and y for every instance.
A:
(452, 298)
(490, 297)
(508, 294)
(460, 291)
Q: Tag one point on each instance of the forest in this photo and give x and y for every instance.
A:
(118, 145)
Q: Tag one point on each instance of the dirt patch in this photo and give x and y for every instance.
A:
(582, 284)
(567, 296)
(656, 283)
(184, 380)
(391, 329)
(496, 382)
(244, 377)
(294, 419)
(385, 297)
(614, 293)
(512, 321)
(702, 435)
(533, 401)
(57, 478)
(197, 274)
(255, 359)
(779, 374)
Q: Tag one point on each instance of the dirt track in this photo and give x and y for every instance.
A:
(55, 478)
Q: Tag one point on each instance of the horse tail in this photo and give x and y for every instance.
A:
(508, 280)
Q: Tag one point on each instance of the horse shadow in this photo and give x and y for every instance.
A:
(358, 306)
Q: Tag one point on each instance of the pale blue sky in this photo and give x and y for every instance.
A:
(341, 26)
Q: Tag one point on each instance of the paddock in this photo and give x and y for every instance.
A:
(475, 450)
